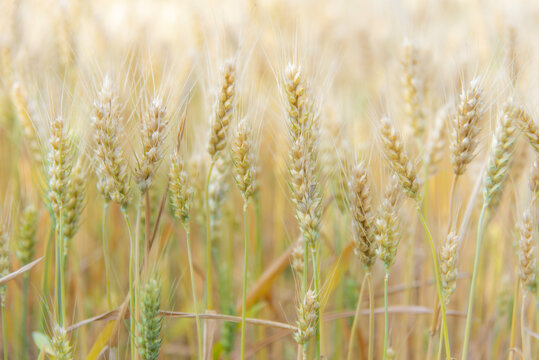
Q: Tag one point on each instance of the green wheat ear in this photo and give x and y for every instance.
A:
(60, 344)
(149, 326)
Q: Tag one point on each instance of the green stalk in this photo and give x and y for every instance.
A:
(24, 337)
(440, 346)
(525, 352)
(106, 256)
(131, 285)
(244, 296)
(356, 318)
(195, 302)
(316, 285)
(4, 337)
(386, 317)
(371, 317)
(480, 229)
(438, 282)
(58, 269)
(208, 239)
(512, 336)
(45, 288)
(304, 282)
(258, 223)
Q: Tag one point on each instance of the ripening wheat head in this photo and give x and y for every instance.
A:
(223, 109)
(448, 265)
(4, 260)
(307, 318)
(111, 164)
(60, 155)
(500, 156)
(412, 87)
(243, 156)
(465, 127)
(398, 160)
(363, 220)
(75, 199)
(297, 108)
(180, 190)
(528, 126)
(387, 225)
(153, 132)
(25, 114)
(527, 257)
(534, 177)
(26, 237)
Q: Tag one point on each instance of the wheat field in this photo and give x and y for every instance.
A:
(269, 179)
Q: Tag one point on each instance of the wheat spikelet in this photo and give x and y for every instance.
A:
(26, 237)
(25, 114)
(307, 318)
(412, 87)
(59, 165)
(387, 225)
(180, 190)
(527, 257)
(298, 109)
(149, 326)
(500, 156)
(298, 256)
(436, 143)
(4, 261)
(196, 168)
(223, 109)
(111, 169)
(528, 126)
(243, 157)
(75, 200)
(363, 221)
(60, 344)
(448, 265)
(398, 160)
(335, 158)
(218, 191)
(465, 128)
(304, 134)
(534, 177)
(153, 131)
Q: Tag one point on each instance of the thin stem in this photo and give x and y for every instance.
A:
(304, 281)
(244, 295)
(523, 327)
(451, 199)
(26, 285)
(137, 267)
(478, 242)
(438, 282)
(193, 288)
(106, 254)
(316, 285)
(208, 238)
(58, 269)
(440, 346)
(45, 288)
(386, 317)
(371, 317)
(131, 286)
(433, 327)
(258, 222)
(356, 318)
(4, 337)
(512, 336)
